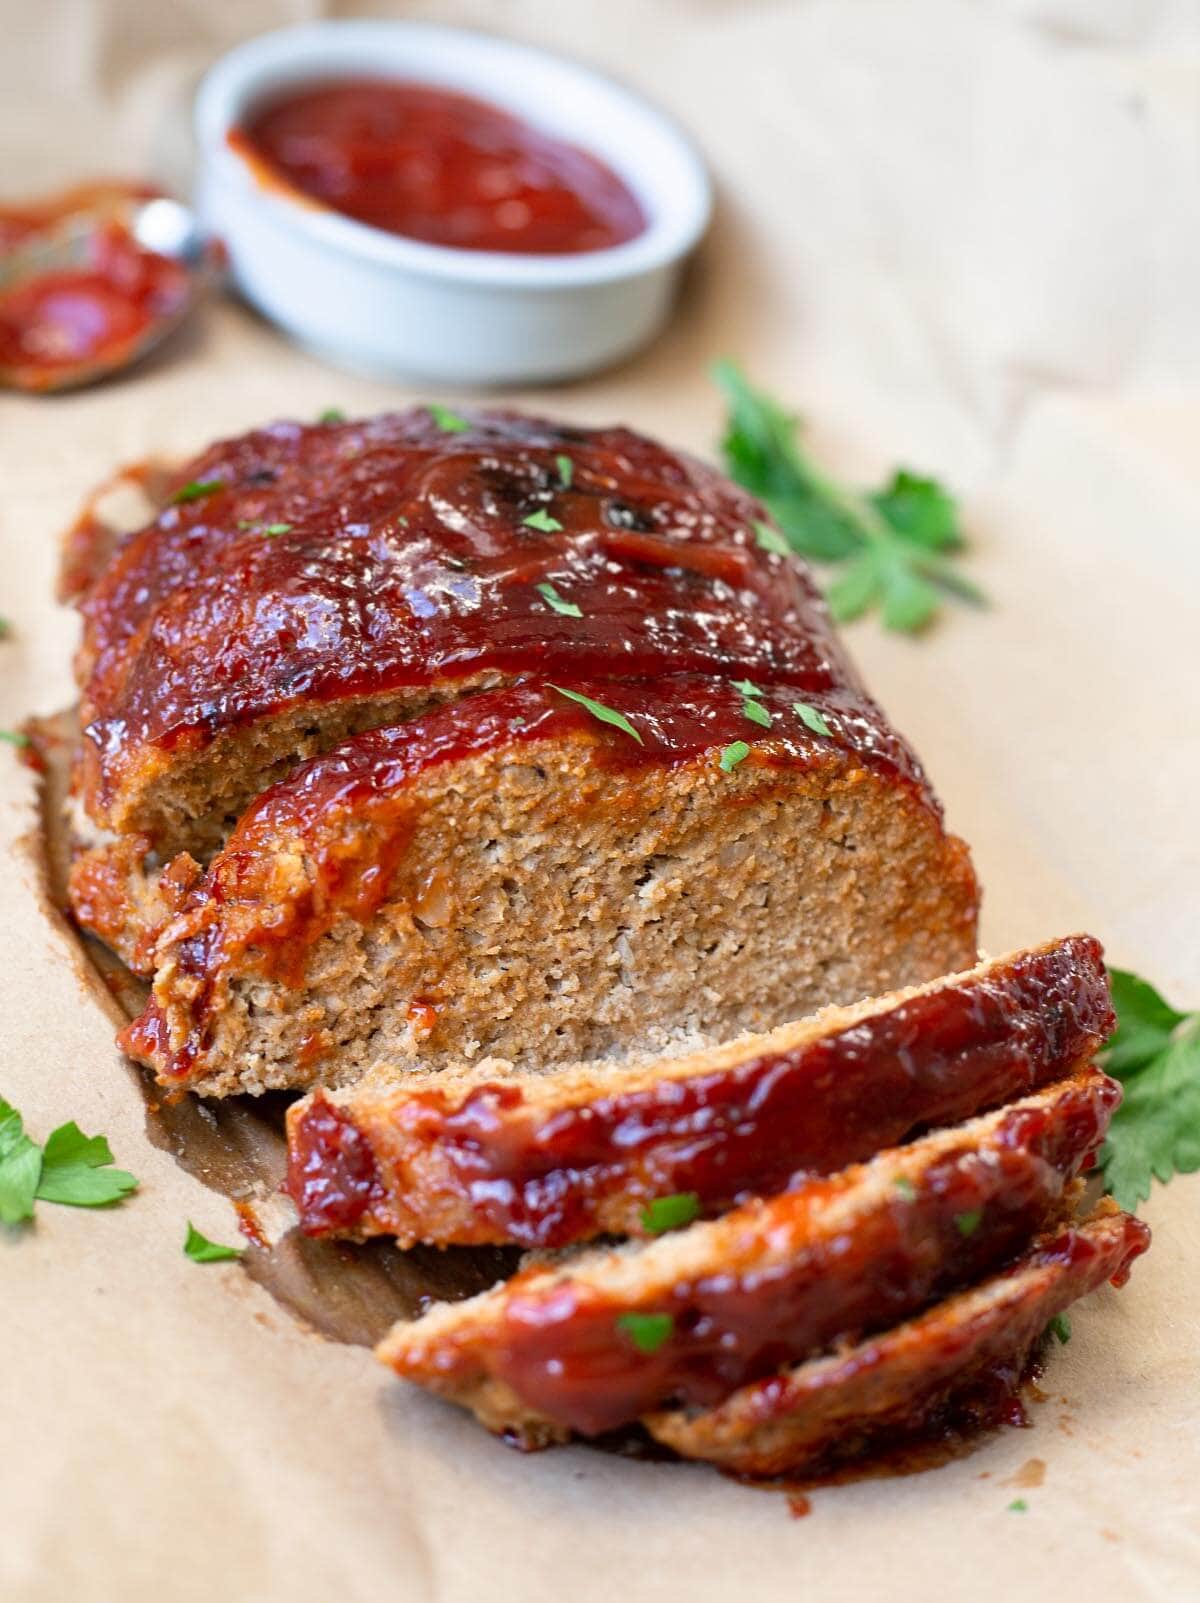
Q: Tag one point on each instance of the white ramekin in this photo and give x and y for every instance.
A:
(394, 307)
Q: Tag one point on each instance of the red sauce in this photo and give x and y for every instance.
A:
(441, 167)
(56, 326)
(549, 1175)
(403, 561)
(563, 1352)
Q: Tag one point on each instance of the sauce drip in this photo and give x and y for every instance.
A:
(440, 167)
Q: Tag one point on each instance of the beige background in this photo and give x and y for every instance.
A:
(961, 235)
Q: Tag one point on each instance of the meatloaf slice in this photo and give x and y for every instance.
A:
(963, 1355)
(513, 875)
(487, 1156)
(303, 583)
(685, 1319)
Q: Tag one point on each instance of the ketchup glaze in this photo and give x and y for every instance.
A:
(438, 166)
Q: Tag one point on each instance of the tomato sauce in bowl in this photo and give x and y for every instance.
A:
(441, 167)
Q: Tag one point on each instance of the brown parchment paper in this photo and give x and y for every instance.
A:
(963, 236)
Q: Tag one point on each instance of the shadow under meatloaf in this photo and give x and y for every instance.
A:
(725, 1302)
(512, 876)
(958, 1360)
(304, 583)
(488, 1155)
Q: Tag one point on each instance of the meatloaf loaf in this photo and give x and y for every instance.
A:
(491, 1155)
(582, 769)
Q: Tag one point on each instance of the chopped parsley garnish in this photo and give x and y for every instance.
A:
(196, 490)
(733, 755)
(647, 1331)
(277, 528)
(332, 414)
(756, 712)
(1017, 1506)
(1060, 1326)
(669, 1213)
(968, 1223)
(744, 687)
(905, 1187)
(449, 422)
(541, 519)
(72, 1168)
(606, 715)
(893, 545)
(566, 470)
(15, 737)
(201, 1250)
(811, 718)
(559, 603)
(770, 539)
(1155, 1053)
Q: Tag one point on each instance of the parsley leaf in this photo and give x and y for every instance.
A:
(541, 519)
(196, 490)
(606, 715)
(968, 1223)
(892, 545)
(277, 528)
(1017, 1506)
(811, 718)
(201, 1250)
(76, 1170)
(20, 1166)
(15, 737)
(733, 755)
(756, 712)
(73, 1169)
(449, 422)
(647, 1331)
(1060, 1326)
(770, 539)
(559, 603)
(566, 470)
(669, 1213)
(332, 414)
(1155, 1053)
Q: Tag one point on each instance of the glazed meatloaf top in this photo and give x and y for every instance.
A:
(350, 574)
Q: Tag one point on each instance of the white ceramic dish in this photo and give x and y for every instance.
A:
(395, 307)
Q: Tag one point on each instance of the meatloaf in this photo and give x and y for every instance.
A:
(728, 1301)
(489, 1154)
(953, 1365)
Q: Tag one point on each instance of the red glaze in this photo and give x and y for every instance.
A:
(564, 1353)
(407, 561)
(440, 167)
(57, 324)
(912, 1379)
(237, 920)
(492, 1167)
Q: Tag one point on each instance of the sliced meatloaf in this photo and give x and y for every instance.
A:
(304, 583)
(951, 1365)
(553, 873)
(687, 1318)
(488, 1154)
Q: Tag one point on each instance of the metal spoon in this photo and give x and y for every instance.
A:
(162, 226)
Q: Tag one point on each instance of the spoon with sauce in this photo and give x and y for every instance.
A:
(93, 281)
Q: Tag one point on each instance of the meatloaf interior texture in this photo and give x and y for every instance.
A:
(502, 785)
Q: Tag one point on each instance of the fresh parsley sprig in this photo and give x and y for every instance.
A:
(891, 546)
(1155, 1053)
(72, 1168)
